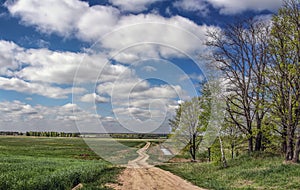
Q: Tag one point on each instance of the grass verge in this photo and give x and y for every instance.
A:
(260, 172)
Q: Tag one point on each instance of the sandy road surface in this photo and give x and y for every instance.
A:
(139, 175)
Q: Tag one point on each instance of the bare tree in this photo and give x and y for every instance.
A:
(240, 51)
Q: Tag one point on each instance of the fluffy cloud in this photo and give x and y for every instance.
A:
(137, 99)
(41, 71)
(133, 6)
(238, 6)
(16, 110)
(149, 68)
(193, 76)
(111, 73)
(158, 92)
(46, 66)
(128, 39)
(141, 35)
(123, 87)
(93, 98)
(19, 116)
(57, 16)
(8, 62)
(227, 7)
(90, 23)
(16, 106)
(20, 111)
(192, 5)
(97, 21)
(46, 90)
(65, 17)
(59, 67)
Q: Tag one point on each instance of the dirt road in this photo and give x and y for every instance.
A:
(139, 175)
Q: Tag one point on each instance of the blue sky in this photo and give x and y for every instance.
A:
(106, 66)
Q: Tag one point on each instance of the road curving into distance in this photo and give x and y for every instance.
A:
(139, 175)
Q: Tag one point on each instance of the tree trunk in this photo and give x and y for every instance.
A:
(297, 150)
(209, 157)
(290, 144)
(290, 130)
(191, 152)
(259, 136)
(223, 158)
(232, 150)
(194, 146)
(250, 144)
(284, 141)
(258, 141)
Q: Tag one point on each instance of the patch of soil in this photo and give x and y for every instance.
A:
(140, 175)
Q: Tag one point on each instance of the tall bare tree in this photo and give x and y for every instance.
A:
(240, 51)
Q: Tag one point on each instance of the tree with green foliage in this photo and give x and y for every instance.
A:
(233, 137)
(240, 51)
(284, 76)
(187, 126)
(174, 123)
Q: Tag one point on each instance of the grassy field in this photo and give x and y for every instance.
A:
(53, 163)
(260, 172)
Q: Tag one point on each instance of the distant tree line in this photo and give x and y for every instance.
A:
(126, 135)
(100, 135)
(40, 134)
(11, 133)
(137, 135)
(51, 134)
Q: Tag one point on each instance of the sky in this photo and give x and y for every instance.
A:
(107, 66)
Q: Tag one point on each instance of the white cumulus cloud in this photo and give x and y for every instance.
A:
(75, 18)
(49, 16)
(8, 61)
(93, 98)
(227, 7)
(46, 90)
(192, 5)
(133, 6)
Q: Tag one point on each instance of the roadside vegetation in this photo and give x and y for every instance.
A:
(257, 143)
(265, 171)
(258, 94)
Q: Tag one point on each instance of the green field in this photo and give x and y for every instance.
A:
(62, 163)
(258, 172)
(54, 163)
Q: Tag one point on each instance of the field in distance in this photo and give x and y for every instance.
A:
(56, 163)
